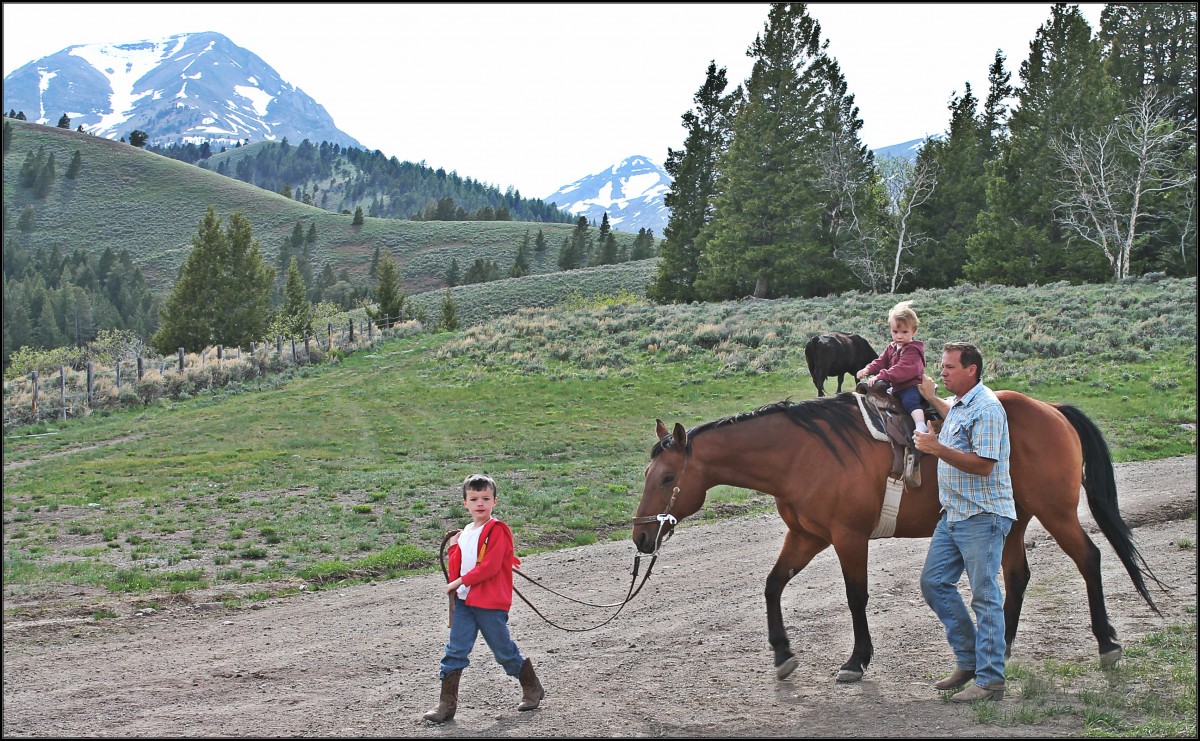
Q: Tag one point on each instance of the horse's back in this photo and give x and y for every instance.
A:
(1047, 458)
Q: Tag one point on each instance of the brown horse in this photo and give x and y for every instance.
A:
(828, 477)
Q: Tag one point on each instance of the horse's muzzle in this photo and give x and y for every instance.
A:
(644, 540)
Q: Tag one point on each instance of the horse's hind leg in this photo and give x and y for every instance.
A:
(1015, 566)
(798, 549)
(1070, 536)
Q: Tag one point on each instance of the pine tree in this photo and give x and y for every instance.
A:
(994, 117)
(31, 166)
(608, 254)
(449, 313)
(26, 221)
(138, 138)
(311, 237)
(766, 234)
(389, 299)
(64, 122)
(520, 266)
(539, 242)
(452, 274)
(358, 217)
(1151, 47)
(601, 240)
(223, 292)
(1016, 240)
(8, 135)
(948, 217)
(296, 314)
(246, 304)
(373, 273)
(45, 178)
(75, 166)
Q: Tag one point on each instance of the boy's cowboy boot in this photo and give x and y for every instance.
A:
(531, 688)
(449, 699)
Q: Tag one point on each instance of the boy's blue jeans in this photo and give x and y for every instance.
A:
(974, 545)
(469, 622)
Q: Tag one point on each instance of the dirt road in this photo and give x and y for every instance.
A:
(688, 657)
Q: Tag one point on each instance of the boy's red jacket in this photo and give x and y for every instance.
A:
(491, 581)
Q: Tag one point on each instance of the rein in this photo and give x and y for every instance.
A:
(662, 520)
(630, 594)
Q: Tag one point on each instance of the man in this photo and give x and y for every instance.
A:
(975, 491)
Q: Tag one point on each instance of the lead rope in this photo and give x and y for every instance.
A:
(630, 594)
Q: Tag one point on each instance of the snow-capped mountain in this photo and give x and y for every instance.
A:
(184, 88)
(631, 192)
(904, 150)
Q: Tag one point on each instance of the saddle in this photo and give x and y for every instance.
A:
(898, 426)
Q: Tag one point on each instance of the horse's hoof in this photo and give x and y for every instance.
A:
(846, 676)
(1108, 660)
(784, 670)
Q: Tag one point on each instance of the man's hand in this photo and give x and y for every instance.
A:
(926, 442)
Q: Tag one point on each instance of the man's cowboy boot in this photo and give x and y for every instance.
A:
(975, 693)
(955, 680)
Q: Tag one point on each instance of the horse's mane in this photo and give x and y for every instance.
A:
(838, 414)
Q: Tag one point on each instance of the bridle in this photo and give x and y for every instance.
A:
(665, 516)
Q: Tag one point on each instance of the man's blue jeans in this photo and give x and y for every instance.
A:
(974, 545)
(468, 622)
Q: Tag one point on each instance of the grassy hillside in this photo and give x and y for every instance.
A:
(348, 471)
(126, 198)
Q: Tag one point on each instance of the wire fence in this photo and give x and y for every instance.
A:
(67, 391)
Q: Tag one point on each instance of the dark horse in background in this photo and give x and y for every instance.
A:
(828, 477)
(835, 354)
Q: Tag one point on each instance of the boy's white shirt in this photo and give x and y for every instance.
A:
(468, 543)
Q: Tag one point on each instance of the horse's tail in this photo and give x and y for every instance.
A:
(1100, 483)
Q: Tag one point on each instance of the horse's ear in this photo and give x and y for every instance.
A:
(680, 436)
(660, 429)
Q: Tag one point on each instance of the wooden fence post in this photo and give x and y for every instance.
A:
(307, 355)
(220, 356)
(118, 370)
(181, 360)
(141, 368)
(90, 380)
(62, 392)
(350, 324)
(293, 341)
(35, 395)
(279, 344)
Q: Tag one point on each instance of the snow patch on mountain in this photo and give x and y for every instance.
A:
(630, 192)
(184, 88)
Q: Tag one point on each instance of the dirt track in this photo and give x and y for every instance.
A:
(688, 657)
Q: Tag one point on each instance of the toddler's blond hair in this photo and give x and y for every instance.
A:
(902, 313)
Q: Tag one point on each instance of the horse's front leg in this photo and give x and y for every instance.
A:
(799, 547)
(852, 553)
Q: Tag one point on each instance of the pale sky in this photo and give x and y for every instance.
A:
(537, 96)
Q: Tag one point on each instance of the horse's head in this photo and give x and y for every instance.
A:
(666, 495)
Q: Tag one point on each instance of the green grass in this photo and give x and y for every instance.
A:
(320, 474)
(1150, 693)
